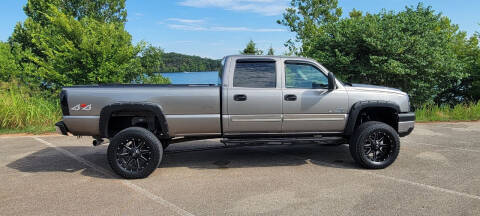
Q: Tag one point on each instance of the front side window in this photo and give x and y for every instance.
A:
(304, 76)
(255, 74)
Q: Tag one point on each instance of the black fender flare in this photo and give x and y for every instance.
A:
(107, 111)
(361, 105)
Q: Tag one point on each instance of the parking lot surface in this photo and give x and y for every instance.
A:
(436, 173)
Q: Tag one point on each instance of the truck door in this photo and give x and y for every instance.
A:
(254, 97)
(308, 105)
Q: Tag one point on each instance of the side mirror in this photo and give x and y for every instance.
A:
(332, 83)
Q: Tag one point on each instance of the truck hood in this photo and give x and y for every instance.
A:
(365, 87)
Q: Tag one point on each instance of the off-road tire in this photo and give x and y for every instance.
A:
(140, 147)
(362, 139)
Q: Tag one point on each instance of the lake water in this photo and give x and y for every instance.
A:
(207, 77)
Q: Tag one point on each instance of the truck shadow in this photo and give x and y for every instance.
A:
(262, 156)
(51, 160)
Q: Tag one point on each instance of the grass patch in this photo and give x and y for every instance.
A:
(24, 112)
(459, 112)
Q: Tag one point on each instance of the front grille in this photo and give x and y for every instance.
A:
(64, 103)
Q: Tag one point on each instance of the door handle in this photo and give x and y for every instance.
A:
(290, 97)
(240, 97)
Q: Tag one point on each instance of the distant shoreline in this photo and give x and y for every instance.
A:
(187, 72)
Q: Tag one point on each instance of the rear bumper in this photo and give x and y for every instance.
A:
(61, 128)
(406, 123)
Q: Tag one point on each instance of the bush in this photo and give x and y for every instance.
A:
(459, 112)
(24, 111)
(417, 50)
(60, 49)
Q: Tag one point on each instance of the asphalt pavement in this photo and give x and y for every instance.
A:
(436, 173)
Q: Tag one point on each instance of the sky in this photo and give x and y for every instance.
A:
(215, 28)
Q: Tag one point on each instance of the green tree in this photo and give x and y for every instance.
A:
(355, 13)
(468, 52)
(271, 51)
(251, 49)
(306, 17)
(8, 63)
(474, 77)
(411, 49)
(151, 60)
(101, 10)
(60, 49)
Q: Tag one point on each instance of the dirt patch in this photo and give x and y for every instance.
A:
(27, 134)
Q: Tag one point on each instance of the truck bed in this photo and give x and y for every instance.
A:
(189, 109)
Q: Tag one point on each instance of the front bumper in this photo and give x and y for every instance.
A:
(61, 128)
(406, 123)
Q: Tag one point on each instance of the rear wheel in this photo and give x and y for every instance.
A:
(375, 145)
(134, 153)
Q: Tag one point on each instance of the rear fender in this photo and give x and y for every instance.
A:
(107, 111)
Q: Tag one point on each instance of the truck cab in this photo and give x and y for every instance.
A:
(281, 95)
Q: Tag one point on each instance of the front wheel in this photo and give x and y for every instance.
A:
(134, 153)
(375, 145)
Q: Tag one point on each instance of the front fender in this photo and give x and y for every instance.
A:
(361, 105)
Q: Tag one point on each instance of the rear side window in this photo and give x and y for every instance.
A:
(255, 74)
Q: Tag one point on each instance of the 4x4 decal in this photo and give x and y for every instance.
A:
(84, 107)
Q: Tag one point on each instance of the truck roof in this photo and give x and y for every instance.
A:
(269, 56)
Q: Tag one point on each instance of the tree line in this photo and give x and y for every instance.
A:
(176, 62)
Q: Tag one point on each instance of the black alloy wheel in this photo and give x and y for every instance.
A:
(375, 145)
(134, 153)
(378, 146)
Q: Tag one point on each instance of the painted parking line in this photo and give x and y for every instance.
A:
(127, 183)
(370, 173)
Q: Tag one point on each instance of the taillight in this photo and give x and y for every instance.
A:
(64, 103)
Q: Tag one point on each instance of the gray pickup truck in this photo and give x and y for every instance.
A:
(260, 99)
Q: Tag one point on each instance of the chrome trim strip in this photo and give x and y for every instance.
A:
(289, 117)
(314, 117)
(197, 134)
(255, 120)
(81, 117)
(175, 116)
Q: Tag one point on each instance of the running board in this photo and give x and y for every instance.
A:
(284, 140)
